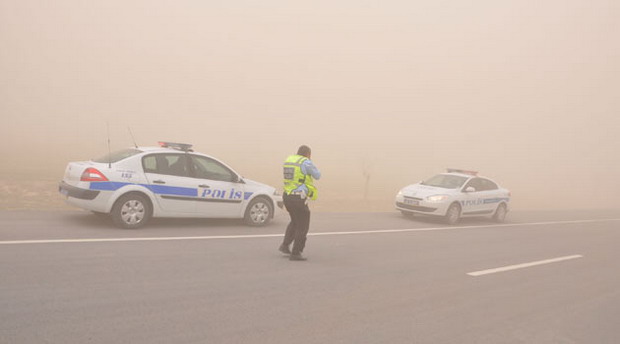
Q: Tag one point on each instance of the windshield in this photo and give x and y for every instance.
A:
(117, 156)
(445, 181)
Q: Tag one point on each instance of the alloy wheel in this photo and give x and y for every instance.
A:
(132, 212)
(259, 213)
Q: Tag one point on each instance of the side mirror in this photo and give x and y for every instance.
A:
(470, 189)
(239, 179)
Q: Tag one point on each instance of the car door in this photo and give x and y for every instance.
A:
(491, 195)
(472, 201)
(167, 175)
(220, 192)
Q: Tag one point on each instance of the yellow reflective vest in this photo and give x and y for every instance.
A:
(294, 177)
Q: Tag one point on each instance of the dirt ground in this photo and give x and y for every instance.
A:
(28, 194)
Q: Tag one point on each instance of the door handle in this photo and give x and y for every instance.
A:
(159, 182)
(204, 186)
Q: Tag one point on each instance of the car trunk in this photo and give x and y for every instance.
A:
(74, 171)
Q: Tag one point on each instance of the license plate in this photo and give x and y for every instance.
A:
(411, 201)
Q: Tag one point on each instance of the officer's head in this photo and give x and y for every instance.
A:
(304, 150)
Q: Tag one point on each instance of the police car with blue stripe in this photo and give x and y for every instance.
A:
(135, 184)
(455, 194)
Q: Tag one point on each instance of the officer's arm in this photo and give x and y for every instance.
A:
(309, 168)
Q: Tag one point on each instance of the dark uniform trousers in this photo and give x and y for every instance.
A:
(297, 229)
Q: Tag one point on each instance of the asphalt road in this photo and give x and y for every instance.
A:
(69, 277)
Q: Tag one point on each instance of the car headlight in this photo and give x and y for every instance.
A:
(400, 193)
(437, 198)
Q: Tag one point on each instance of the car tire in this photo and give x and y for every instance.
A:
(259, 212)
(500, 213)
(407, 214)
(131, 211)
(453, 215)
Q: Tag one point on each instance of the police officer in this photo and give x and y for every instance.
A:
(299, 175)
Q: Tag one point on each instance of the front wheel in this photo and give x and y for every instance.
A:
(258, 212)
(131, 211)
(500, 213)
(453, 214)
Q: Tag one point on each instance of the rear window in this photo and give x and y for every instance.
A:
(117, 156)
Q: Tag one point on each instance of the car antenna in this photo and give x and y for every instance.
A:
(109, 151)
(132, 138)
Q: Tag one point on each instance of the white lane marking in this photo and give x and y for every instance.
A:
(524, 265)
(214, 237)
(462, 227)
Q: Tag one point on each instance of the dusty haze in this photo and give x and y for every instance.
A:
(525, 92)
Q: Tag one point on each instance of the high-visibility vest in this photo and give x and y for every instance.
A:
(294, 177)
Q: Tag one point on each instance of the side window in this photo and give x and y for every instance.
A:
(488, 185)
(475, 183)
(149, 164)
(168, 164)
(468, 184)
(205, 168)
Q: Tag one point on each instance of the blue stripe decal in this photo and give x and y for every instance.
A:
(495, 200)
(107, 186)
(247, 195)
(156, 189)
(172, 190)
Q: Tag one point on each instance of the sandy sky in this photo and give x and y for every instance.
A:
(526, 92)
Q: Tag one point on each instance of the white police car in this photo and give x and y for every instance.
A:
(455, 194)
(135, 184)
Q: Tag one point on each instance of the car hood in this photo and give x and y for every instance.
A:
(422, 191)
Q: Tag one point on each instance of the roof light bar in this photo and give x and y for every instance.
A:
(186, 147)
(456, 170)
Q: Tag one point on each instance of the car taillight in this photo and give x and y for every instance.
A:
(93, 175)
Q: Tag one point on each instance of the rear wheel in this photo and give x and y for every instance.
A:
(258, 212)
(131, 211)
(500, 213)
(453, 214)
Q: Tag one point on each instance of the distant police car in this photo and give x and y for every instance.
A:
(136, 184)
(453, 195)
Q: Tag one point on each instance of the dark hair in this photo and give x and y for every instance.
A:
(303, 150)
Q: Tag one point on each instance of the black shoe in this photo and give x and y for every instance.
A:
(284, 249)
(297, 257)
